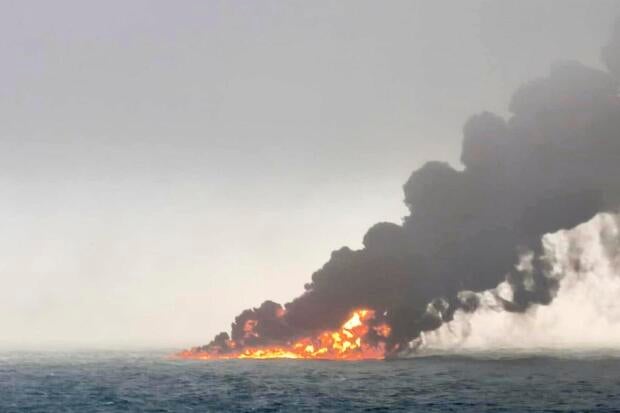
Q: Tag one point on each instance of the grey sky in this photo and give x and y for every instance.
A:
(167, 164)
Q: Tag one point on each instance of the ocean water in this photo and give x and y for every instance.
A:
(151, 382)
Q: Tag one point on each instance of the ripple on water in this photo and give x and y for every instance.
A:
(139, 382)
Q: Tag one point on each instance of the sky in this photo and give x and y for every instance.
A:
(164, 165)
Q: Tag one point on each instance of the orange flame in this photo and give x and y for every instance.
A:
(347, 343)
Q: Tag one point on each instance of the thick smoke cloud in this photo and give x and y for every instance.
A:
(553, 164)
(586, 262)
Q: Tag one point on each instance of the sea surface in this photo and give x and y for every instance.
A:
(151, 382)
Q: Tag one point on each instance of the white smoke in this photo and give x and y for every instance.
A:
(585, 313)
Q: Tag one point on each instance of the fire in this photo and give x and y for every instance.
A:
(350, 342)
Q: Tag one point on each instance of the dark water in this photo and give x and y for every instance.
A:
(148, 382)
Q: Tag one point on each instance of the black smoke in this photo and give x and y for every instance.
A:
(552, 164)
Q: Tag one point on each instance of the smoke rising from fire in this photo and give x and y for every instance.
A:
(551, 165)
(585, 314)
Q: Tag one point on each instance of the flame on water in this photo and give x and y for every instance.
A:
(347, 343)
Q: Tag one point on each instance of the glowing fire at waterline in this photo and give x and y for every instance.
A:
(350, 342)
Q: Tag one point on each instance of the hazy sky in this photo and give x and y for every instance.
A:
(166, 164)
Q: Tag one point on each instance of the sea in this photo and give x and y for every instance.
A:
(151, 381)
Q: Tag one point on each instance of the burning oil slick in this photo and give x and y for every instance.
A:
(359, 338)
(553, 164)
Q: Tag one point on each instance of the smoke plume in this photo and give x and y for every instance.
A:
(551, 165)
(585, 314)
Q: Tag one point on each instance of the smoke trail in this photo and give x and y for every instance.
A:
(585, 314)
(552, 165)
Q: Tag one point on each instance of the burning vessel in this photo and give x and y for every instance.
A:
(552, 164)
